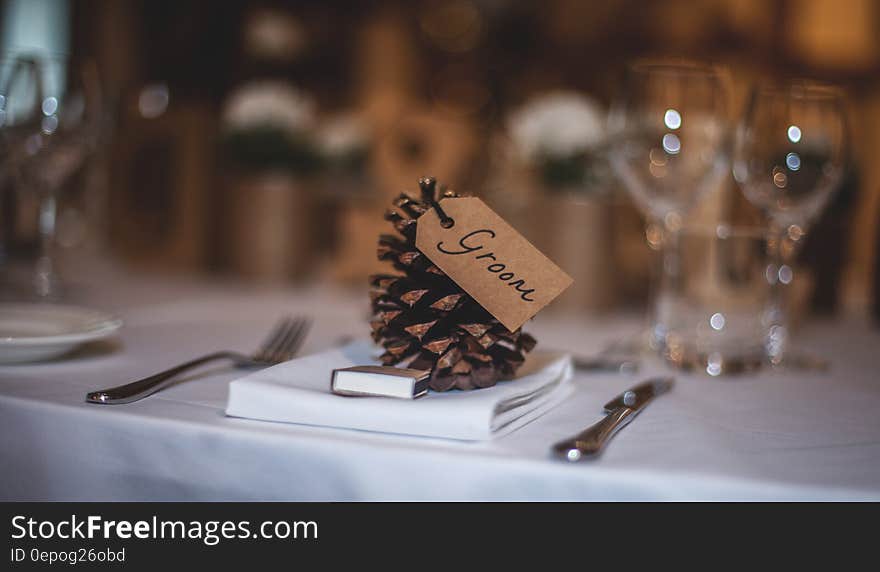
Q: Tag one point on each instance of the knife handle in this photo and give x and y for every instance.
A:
(590, 442)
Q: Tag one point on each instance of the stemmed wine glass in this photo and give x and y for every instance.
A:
(18, 119)
(59, 105)
(669, 146)
(789, 159)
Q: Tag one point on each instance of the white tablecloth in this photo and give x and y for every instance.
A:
(793, 436)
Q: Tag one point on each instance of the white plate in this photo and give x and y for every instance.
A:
(37, 332)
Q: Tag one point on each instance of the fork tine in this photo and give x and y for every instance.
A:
(278, 350)
(273, 341)
(296, 340)
(274, 333)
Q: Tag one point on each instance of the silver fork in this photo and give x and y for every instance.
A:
(280, 345)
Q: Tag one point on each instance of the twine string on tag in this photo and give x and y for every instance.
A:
(427, 185)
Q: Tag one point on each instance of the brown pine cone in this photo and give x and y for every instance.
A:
(424, 320)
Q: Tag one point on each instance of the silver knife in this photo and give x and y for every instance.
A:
(618, 413)
(600, 364)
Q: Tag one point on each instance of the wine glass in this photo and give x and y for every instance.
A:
(790, 156)
(669, 146)
(18, 118)
(53, 143)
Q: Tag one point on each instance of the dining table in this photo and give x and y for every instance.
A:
(806, 434)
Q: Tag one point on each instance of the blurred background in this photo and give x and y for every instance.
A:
(261, 141)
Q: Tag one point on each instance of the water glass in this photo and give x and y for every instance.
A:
(714, 315)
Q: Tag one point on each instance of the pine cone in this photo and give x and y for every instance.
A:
(424, 320)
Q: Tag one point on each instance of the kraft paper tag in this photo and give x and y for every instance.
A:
(490, 260)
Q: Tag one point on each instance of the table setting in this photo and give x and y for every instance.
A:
(810, 436)
(448, 375)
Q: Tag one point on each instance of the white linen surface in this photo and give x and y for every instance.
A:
(797, 435)
(298, 391)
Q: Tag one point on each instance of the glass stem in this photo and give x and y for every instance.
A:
(664, 279)
(45, 279)
(5, 224)
(779, 275)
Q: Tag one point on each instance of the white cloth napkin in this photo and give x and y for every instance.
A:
(298, 391)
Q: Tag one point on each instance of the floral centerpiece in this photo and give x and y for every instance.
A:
(559, 136)
(557, 161)
(344, 144)
(268, 126)
(268, 144)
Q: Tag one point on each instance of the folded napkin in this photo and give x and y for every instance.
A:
(298, 391)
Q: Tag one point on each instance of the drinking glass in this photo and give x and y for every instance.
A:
(715, 314)
(18, 118)
(669, 146)
(789, 159)
(59, 102)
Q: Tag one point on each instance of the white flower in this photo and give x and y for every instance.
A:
(558, 124)
(342, 135)
(269, 104)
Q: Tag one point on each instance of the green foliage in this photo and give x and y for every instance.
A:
(351, 163)
(561, 172)
(581, 172)
(268, 148)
